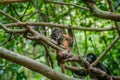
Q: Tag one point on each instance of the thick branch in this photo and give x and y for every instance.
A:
(33, 65)
(42, 38)
(100, 13)
(100, 73)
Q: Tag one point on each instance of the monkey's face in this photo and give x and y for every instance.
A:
(57, 35)
(91, 57)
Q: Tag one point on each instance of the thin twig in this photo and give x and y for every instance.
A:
(25, 10)
(106, 50)
(10, 30)
(84, 8)
(58, 25)
(8, 16)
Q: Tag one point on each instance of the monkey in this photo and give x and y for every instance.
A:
(57, 35)
(66, 40)
(91, 57)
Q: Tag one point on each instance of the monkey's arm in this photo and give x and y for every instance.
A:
(70, 32)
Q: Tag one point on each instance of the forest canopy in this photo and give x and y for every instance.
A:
(59, 40)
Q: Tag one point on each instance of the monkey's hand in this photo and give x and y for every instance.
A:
(63, 56)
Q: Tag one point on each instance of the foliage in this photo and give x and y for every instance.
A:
(43, 11)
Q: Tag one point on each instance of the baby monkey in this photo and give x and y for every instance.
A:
(66, 40)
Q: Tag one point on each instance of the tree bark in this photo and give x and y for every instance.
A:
(33, 65)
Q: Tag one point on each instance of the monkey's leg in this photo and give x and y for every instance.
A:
(62, 67)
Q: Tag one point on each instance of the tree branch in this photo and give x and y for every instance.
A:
(84, 8)
(100, 13)
(10, 30)
(12, 1)
(9, 16)
(112, 10)
(106, 50)
(33, 65)
(91, 70)
(51, 25)
(58, 25)
(37, 36)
